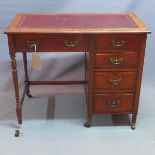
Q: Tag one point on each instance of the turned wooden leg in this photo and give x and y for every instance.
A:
(88, 123)
(15, 81)
(26, 76)
(133, 123)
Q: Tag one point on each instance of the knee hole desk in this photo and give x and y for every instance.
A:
(115, 44)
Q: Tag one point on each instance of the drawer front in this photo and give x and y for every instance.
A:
(116, 60)
(59, 43)
(113, 103)
(117, 42)
(115, 80)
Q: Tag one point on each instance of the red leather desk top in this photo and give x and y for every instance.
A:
(76, 23)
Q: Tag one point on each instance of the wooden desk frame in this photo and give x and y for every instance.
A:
(140, 33)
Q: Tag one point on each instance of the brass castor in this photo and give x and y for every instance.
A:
(17, 133)
(133, 126)
(88, 123)
(29, 95)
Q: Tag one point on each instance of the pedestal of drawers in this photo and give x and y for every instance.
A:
(116, 75)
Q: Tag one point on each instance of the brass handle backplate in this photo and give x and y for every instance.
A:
(115, 81)
(118, 43)
(71, 43)
(113, 103)
(116, 61)
(33, 43)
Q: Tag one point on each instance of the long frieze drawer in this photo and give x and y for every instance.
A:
(117, 42)
(113, 103)
(51, 43)
(115, 80)
(116, 60)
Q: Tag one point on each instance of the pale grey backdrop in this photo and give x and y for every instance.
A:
(59, 112)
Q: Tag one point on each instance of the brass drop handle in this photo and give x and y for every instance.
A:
(115, 81)
(118, 43)
(71, 43)
(116, 61)
(113, 103)
(33, 43)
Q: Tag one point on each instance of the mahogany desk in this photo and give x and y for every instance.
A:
(115, 44)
